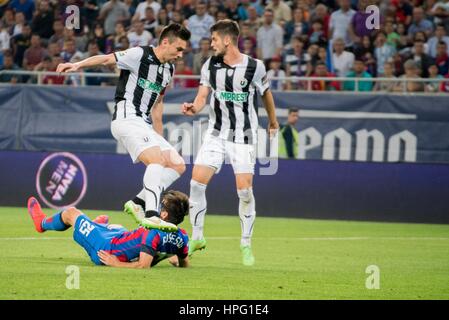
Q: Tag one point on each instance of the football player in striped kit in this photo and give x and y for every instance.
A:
(137, 120)
(234, 79)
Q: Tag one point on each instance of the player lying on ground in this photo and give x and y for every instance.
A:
(113, 245)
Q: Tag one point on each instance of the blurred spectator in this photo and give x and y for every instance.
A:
(201, 57)
(358, 26)
(4, 38)
(94, 50)
(383, 51)
(433, 86)
(246, 34)
(162, 18)
(411, 72)
(123, 43)
(296, 27)
(323, 85)
(91, 11)
(25, 6)
(393, 38)
(20, 43)
(281, 11)
(289, 137)
(53, 49)
(321, 13)
(140, 36)
(440, 12)
(199, 24)
(365, 47)
(253, 20)
(111, 12)
(269, 38)
(297, 63)
(34, 54)
(422, 60)
(104, 42)
(358, 72)
(274, 72)
(149, 20)
(388, 73)
(69, 51)
(419, 23)
(232, 10)
(19, 23)
(9, 65)
(317, 33)
(243, 9)
(342, 60)
(142, 7)
(404, 11)
(248, 48)
(442, 58)
(9, 18)
(42, 23)
(181, 69)
(440, 35)
(188, 55)
(119, 33)
(340, 21)
(58, 33)
(403, 38)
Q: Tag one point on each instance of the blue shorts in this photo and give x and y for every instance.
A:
(93, 236)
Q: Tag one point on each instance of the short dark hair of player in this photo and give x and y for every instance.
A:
(292, 110)
(227, 27)
(176, 204)
(173, 31)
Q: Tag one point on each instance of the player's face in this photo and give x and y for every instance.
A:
(218, 44)
(174, 50)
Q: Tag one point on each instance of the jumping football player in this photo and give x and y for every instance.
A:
(234, 79)
(137, 119)
(113, 245)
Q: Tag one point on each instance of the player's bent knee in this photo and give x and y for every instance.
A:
(69, 215)
(245, 194)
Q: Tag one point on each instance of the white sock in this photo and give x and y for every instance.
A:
(169, 176)
(247, 214)
(198, 206)
(152, 186)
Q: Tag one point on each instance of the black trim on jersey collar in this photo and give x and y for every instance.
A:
(154, 56)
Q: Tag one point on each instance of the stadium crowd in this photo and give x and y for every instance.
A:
(323, 38)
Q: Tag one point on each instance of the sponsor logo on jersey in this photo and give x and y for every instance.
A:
(232, 96)
(148, 85)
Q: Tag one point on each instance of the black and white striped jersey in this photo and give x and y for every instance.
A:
(143, 79)
(233, 104)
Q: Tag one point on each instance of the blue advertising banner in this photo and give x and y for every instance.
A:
(346, 190)
(344, 127)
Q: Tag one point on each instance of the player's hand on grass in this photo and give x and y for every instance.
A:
(67, 67)
(188, 109)
(273, 129)
(107, 258)
(174, 261)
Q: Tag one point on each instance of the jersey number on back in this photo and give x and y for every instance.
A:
(86, 227)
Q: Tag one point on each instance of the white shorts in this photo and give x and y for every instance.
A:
(136, 135)
(215, 151)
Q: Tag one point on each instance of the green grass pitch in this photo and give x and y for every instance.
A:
(295, 259)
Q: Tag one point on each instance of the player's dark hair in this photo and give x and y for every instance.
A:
(176, 204)
(173, 31)
(292, 110)
(227, 27)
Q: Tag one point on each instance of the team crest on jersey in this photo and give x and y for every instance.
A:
(230, 72)
(160, 69)
(244, 83)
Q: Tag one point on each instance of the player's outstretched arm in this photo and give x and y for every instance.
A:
(108, 259)
(102, 59)
(268, 102)
(190, 109)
